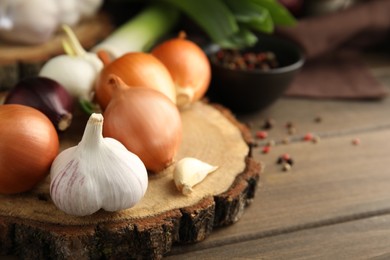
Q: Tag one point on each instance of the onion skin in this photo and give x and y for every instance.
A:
(46, 95)
(136, 69)
(189, 67)
(28, 147)
(146, 122)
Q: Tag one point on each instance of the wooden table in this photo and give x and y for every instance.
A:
(335, 201)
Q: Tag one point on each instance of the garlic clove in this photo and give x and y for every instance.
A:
(190, 171)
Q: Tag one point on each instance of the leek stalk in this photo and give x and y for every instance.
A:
(141, 31)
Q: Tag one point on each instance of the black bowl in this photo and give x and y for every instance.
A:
(246, 91)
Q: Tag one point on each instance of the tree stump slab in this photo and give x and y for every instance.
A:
(33, 228)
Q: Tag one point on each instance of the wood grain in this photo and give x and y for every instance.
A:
(332, 181)
(361, 239)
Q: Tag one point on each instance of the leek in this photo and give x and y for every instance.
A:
(229, 23)
(141, 31)
(215, 19)
(252, 15)
(279, 14)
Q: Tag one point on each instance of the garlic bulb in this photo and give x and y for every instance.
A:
(28, 21)
(69, 13)
(98, 173)
(189, 172)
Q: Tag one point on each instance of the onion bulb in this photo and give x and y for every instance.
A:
(145, 121)
(189, 67)
(28, 146)
(136, 69)
(46, 95)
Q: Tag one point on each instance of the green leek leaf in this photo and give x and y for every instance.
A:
(252, 15)
(242, 39)
(280, 15)
(213, 16)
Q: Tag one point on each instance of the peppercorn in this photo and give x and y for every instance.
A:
(234, 59)
(261, 134)
(356, 141)
(308, 137)
(286, 167)
(269, 123)
(318, 119)
(285, 158)
(266, 149)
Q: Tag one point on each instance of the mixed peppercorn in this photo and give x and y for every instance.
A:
(285, 160)
(237, 60)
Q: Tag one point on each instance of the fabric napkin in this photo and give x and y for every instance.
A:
(342, 75)
(330, 71)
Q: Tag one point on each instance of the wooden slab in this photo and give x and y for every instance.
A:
(32, 227)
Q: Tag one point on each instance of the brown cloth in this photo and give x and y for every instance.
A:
(342, 75)
(328, 74)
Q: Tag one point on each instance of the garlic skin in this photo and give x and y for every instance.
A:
(98, 173)
(190, 171)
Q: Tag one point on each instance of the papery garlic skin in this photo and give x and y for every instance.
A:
(98, 173)
(190, 171)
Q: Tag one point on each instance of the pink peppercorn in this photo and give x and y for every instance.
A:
(308, 137)
(286, 156)
(261, 134)
(356, 141)
(266, 149)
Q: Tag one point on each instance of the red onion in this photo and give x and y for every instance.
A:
(46, 95)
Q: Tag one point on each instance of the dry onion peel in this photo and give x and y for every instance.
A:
(145, 121)
(136, 69)
(189, 67)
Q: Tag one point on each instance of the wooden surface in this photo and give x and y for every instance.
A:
(334, 203)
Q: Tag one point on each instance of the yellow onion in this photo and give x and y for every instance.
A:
(189, 67)
(29, 144)
(145, 121)
(136, 69)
